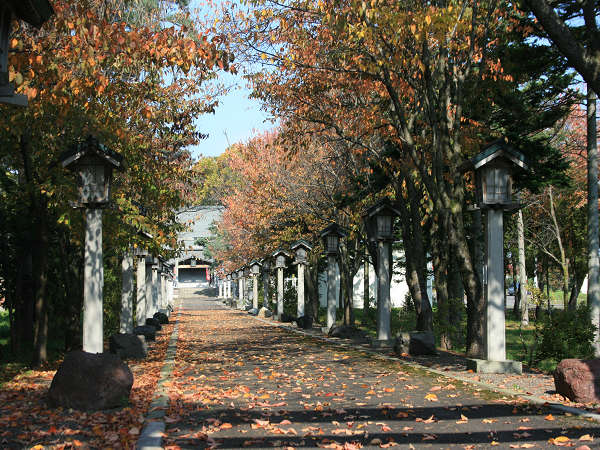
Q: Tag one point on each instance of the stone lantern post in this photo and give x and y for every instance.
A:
(246, 286)
(233, 286)
(93, 163)
(240, 278)
(140, 311)
(155, 288)
(494, 168)
(255, 269)
(331, 242)
(301, 249)
(280, 257)
(126, 316)
(162, 303)
(379, 222)
(228, 286)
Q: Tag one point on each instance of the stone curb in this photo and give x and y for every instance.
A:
(152, 434)
(491, 387)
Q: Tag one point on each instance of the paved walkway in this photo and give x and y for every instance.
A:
(239, 382)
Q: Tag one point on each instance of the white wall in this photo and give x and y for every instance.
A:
(398, 287)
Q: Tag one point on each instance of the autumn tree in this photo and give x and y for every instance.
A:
(128, 75)
(403, 75)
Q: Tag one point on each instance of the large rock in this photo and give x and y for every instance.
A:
(578, 380)
(148, 331)
(127, 346)
(305, 322)
(90, 382)
(253, 312)
(153, 323)
(264, 312)
(162, 318)
(345, 332)
(415, 343)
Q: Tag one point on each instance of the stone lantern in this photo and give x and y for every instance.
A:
(93, 164)
(331, 236)
(379, 222)
(301, 249)
(494, 168)
(35, 13)
(255, 270)
(281, 257)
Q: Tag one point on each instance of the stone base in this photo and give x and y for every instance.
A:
(382, 344)
(486, 366)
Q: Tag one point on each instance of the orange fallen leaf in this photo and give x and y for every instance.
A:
(549, 417)
(431, 397)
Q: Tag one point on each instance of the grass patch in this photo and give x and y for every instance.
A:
(4, 329)
(8, 368)
(519, 340)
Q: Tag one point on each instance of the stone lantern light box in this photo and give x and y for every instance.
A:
(379, 220)
(93, 162)
(331, 238)
(281, 257)
(301, 249)
(255, 267)
(494, 168)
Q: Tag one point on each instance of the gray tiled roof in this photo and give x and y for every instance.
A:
(199, 220)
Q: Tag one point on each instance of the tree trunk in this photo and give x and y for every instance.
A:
(564, 261)
(40, 281)
(473, 285)
(312, 286)
(593, 292)
(415, 253)
(522, 271)
(456, 296)
(366, 284)
(440, 260)
(516, 285)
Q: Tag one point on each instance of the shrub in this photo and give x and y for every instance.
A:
(566, 334)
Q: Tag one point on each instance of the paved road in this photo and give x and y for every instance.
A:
(239, 383)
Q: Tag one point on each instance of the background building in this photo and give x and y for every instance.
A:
(192, 267)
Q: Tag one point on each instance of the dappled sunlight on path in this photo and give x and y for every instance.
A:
(239, 382)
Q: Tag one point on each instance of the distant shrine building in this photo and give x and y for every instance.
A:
(193, 265)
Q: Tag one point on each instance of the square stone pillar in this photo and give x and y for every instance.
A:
(140, 311)
(126, 319)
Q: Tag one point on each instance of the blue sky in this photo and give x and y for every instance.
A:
(236, 119)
